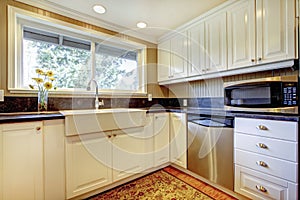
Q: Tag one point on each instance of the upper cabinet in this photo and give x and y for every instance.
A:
(268, 36)
(172, 56)
(241, 34)
(275, 21)
(238, 34)
(215, 43)
(197, 52)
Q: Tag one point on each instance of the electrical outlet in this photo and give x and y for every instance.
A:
(1, 95)
(184, 102)
(149, 97)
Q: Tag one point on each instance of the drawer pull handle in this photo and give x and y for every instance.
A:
(261, 188)
(262, 145)
(262, 127)
(262, 163)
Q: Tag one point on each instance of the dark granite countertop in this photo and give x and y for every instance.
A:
(34, 116)
(29, 116)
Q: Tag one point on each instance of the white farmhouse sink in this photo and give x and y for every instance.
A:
(92, 121)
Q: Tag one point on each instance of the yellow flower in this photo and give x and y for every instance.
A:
(52, 79)
(38, 80)
(48, 85)
(50, 73)
(39, 71)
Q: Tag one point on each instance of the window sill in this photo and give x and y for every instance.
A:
(80, 93)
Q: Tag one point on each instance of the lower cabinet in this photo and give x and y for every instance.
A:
(28, 167)
(161, 139)
(130, 147)
(88, 163)
(178, 139)
(266, 158)
(22, 168)
(98, 159)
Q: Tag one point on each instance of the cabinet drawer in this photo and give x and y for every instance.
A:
(273, 166)
(267, 128)
(256, 185)
(282, 149)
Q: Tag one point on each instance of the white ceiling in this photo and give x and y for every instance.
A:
(122, 15)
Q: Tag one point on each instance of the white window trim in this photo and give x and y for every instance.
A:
(14, 44)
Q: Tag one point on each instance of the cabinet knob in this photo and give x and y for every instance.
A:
(261, 188)
(262, 145)
(262, 127)
(114, 135)
(262, 164)
(109, 136)
(259, 59)
(38, 129)
(253, 60)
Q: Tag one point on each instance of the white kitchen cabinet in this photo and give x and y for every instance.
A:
(54, 159)
(1, 163)
(22, 161)
(88, 163)
(179, 50)
(164, 61)
(161, 139)
(197, 53)
(178, 139)
(275, 21)
(216, 43)
(241, 34)
(172, 58)
(268, 36)
(266, 158)
(130, 152)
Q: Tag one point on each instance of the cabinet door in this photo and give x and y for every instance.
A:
(88, 163)
(161, 139)
(215, 40)
(241, 34)
(179, 56)
(275, 30)
(196, 50)
(130, 147)
(23, 161)
(178, 139)
(54, 159)
(164, 61)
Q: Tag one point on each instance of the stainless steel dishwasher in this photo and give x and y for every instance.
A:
(210, 148)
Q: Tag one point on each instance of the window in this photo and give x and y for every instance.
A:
(75, 56)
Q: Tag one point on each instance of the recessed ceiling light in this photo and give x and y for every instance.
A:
(99, 9)
(141, 25)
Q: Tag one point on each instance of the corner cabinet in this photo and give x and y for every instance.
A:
(266, 158)
(26, 160)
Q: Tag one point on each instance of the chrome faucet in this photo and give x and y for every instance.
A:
(97, 103)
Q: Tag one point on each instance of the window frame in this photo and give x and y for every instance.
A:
(18, 17)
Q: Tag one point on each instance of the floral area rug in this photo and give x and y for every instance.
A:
(159, 186)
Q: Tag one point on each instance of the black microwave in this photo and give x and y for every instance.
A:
(262, 93)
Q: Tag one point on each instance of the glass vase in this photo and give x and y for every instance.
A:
(42, 100)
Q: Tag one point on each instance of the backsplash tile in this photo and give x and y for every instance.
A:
(29, 104)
